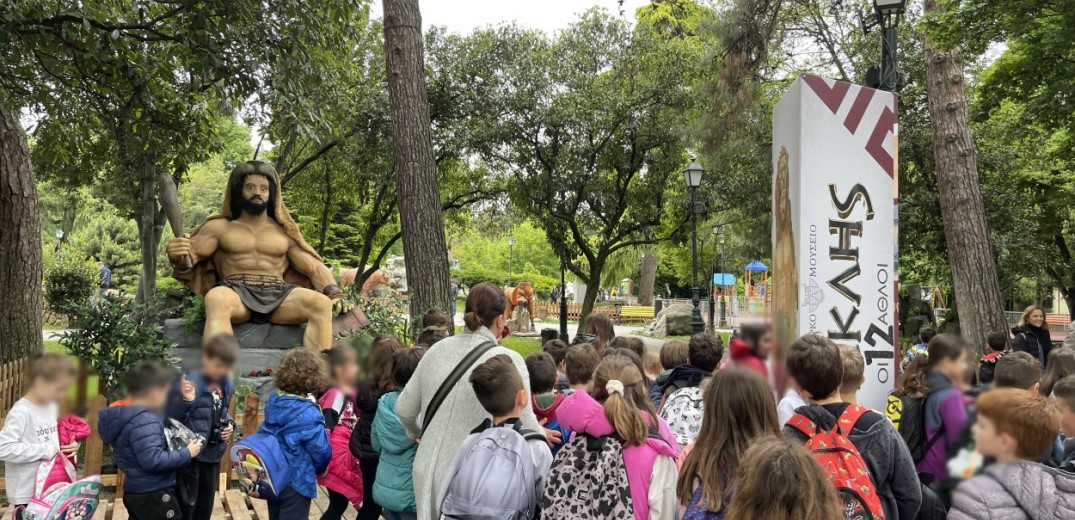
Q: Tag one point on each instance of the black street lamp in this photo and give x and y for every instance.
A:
(511, 246)
(563, 300)
(692, 176)
(887, 14)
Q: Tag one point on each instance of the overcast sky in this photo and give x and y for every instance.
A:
(547, 15)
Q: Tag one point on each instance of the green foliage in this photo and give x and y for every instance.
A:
(114, 335)
(70, 281)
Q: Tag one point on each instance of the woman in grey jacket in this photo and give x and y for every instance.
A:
(460, 412)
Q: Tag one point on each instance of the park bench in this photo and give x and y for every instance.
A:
(635, 313)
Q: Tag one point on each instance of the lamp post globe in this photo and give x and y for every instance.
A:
(692, 177)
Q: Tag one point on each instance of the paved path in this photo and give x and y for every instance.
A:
(52, 335)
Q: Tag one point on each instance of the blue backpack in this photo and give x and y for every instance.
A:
(260, 464)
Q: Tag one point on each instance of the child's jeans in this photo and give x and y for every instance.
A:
(157, 505)
(392, 515)
(289, 506)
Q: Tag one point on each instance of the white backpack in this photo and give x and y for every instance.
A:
(493, 477)
(683, 413)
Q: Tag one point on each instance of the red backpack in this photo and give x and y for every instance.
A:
(842, 463)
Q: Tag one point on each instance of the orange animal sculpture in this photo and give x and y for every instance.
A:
(379, 277)
(523, 291)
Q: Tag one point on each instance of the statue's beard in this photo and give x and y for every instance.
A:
(254, 207)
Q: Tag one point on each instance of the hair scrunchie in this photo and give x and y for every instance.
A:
(614, 386)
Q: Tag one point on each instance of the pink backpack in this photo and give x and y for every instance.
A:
(58, 496)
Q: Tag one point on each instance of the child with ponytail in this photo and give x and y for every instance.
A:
(344, 477)
(619, 405)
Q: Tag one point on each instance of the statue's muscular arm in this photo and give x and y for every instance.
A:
(199, 247)
(309, 265)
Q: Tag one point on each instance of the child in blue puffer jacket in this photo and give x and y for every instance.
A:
(393, 488)
(299, 377)
(134, 429)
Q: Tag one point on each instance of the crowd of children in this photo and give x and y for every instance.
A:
(461, 427)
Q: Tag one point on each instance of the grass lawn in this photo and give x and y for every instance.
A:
(91, 381)
(524, 346)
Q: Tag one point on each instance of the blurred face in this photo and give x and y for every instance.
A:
(347, 373)
(155, 398)
(989, 441)
(766, 344)
(214, 368)
(53, 391)
(1067, 418)
(1036, 318)
(955, 369)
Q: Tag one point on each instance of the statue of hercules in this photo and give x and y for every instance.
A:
(251, 263)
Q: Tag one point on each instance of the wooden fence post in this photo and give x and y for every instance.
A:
(251, 414)
(94, 445)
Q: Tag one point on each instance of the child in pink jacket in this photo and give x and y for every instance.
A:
(650, 461)
(343, 479)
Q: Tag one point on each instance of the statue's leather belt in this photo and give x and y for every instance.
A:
(256, 280)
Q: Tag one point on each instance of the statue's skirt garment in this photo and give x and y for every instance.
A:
(261, 294)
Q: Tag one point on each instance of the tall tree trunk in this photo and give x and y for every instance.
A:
(974, 268)
(148, 236)
(588, 299)
(417, 192)
(20, 243)
(647, 278)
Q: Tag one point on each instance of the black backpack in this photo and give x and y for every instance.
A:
(908, 415)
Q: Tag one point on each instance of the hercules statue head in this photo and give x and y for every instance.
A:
(254, 188)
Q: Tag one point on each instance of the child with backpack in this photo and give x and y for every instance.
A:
(741, 409)
(199, 400)
(778, 480)
(501, 467)
(543, 397)
(997, 343)
(343, 480)
(945, 409)
(377, 383)
(29, 436)
(862, 453)
(293, 416)
(621, 463)
(1015, 427)
(393, 488)
(682, 406)
(134, 429)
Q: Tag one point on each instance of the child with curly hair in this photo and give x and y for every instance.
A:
(300, 376)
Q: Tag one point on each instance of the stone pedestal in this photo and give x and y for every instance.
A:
(261, 346)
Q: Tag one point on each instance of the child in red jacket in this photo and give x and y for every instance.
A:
(344, 477)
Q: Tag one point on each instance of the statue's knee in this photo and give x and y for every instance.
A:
(216, 299)
(319, 305)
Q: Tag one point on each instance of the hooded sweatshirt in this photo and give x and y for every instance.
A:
(1021, 490)
(683, 376)
(136, 435)
(881, 447)
(547, 415)
(651, 467)
(742, 356)
(945, 407)
(29, 437)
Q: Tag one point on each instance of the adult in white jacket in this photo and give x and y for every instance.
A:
(460, 412)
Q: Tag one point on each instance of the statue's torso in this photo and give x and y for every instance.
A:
(246, 249)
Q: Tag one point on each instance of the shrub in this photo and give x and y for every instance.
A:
(70, 281)
(114, 335)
